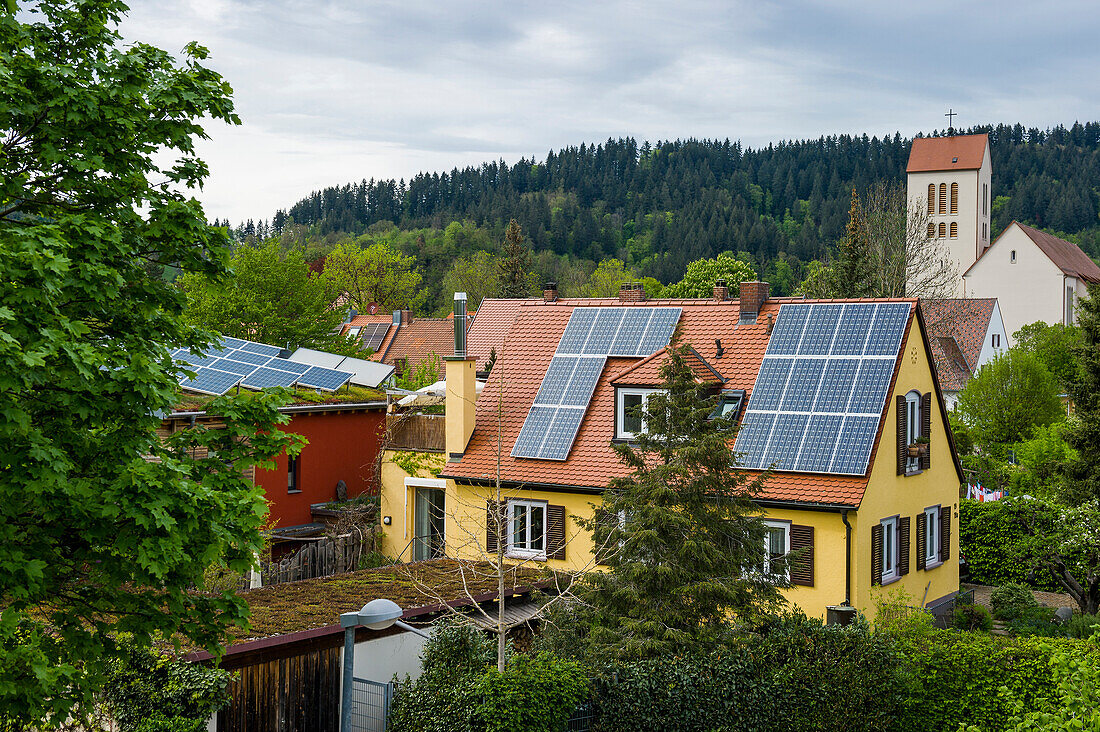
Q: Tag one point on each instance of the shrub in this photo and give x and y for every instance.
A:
(1012, 601)
(968, 616)
(1082, 626)
(534, 694)
(1038, 621)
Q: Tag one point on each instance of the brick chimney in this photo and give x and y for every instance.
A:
(631, 292)
(550, 292)
(753, 295)
(721, 291)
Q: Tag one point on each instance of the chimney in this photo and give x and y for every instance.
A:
(631, 292)
(461, 396)
(406, 317)
(550, 292)
(721, 291)
(753, 295)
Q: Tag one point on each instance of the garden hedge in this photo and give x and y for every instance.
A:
(992, 546)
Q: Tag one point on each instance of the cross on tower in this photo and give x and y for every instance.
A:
(951, 114)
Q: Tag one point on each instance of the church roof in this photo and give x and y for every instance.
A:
(960, 152)
(1067, 256)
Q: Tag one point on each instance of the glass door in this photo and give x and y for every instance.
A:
(428, 513)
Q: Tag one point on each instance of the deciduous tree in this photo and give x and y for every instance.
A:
(374, 273)
(1008, 398)
(701, 275)
(1084, 432)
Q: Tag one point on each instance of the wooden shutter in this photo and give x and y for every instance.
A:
(876, 554)
(903, 545)
(945, 533)
(802, 563)
(903, 445)
(954, 198)
(555, 532)
(922, 538)
(931, 201)
(926, 429)
(494, 517)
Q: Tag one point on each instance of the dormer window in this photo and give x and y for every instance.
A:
(630, 409)
(729, 404)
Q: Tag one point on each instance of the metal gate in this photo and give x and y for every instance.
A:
(370, 705)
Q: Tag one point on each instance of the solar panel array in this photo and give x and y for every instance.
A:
(821, 387)
(372, 335)
(237, 362)
(591, 336)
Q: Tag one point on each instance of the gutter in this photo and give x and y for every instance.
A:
(847, 558)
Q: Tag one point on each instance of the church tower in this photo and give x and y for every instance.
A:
(949, 186)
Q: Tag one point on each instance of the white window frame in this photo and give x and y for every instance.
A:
(890, 547)
(932, 538)
(353, 333)
(912, 427)
(995, 340)
(525, 552)
(620, 409)
(785, 526)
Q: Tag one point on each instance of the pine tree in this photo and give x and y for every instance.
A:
(852, 265)
(1084, 432)
(685, 530)
(516, 265)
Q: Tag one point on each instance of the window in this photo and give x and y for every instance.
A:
(889, 549)
(943, 198)
(1069, 306)
(931, 230)
(1012, 257)
(729, 404)
(996, 340)
(630, 413)
(527, 529)
(353, 333)
(777, 542)
(292, 475)
(931, 199)
(912, 427)
(954, 229)
(931, 536)
(943, 230)
(985, 199)
(954, 198)
(983, 231)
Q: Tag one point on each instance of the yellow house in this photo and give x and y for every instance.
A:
(838, 397)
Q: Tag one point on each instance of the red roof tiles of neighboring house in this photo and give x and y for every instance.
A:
(647, 372)
(418, 339)
(491, 326)
(960, 152)
(360, 321)
(591, 463)
(956, 331)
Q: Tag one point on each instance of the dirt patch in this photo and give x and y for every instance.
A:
(1049, 599)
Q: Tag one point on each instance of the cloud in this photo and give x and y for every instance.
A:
(336, 91)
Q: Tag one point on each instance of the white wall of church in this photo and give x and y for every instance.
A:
(973, 211)
(1028, 289)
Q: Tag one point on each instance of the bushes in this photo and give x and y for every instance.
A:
(968, 616)
(533, 695)
(1082, 626)
(1012, 601)
(995, 548)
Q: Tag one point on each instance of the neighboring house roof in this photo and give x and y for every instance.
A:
(647, 372)
(418, 339)
(591, 463)
(490, 327)
(360, 321)
(1065, 255)
(956, 331)
(959, 152)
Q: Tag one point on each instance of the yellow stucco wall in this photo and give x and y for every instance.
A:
(397, 499)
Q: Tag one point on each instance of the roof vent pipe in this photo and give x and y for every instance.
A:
(460, 325)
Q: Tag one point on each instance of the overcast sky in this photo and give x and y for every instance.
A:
(331, 92)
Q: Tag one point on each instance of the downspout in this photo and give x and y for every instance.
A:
(847, 558)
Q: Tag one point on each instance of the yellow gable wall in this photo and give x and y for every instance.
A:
(890, 494)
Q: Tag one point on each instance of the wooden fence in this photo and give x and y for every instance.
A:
(322, 558)
(416, 431)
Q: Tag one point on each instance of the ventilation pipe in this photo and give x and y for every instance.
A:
(460, 324)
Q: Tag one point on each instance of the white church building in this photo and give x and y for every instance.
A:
(1033, 275)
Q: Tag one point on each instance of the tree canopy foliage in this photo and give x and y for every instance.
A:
(103, 528)
(1084, 431)
(372, 271)
(701, 276)
(1054, 346)
(1008, 398)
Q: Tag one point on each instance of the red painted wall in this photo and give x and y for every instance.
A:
(342, 446)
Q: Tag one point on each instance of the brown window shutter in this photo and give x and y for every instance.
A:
(945, 533)
(903, 445)
(494, 517)
(903, 545)
(555, 532)
(926, 428)
(922, 539)
(802, 563)
(876, 554)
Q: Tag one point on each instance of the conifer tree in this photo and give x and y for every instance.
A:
(685, 532)
(1084, 433)
(516, 266)
(852, 265)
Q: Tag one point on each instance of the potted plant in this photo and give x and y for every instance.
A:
(919, 447)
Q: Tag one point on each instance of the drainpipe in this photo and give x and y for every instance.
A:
(847, 558)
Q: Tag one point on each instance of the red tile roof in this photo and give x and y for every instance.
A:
(647, 372)
(491, 326)
(956, 331)
(960, 152)
(418, 339)
(591, 463)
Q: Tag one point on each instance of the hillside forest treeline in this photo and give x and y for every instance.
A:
(658, 207)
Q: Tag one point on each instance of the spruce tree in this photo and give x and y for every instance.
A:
(1084, 432)
(516, 265)
(681, 534)
(852, 265)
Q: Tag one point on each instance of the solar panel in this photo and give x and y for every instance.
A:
(261, 348)
(211, 381)
(265, 378)
(317, 358)
(373, 335)
(233, 367)
(232, 343)
(820, 391)
(327, 379)
(591, 335)
(283, 364)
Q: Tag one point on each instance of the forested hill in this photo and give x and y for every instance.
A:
(661, 206)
